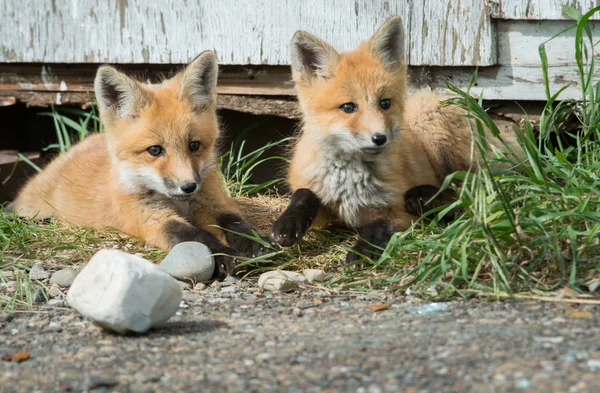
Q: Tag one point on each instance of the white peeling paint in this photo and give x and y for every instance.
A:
(63, 86)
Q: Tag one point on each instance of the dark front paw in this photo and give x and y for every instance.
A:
(373, 239)
(297, 218)
(418, 200)
(241, 236)
(290, 227)
(225, 265)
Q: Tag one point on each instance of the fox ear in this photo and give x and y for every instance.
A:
(387, 44)
(312, 57)
(118, 95)
(199, 81)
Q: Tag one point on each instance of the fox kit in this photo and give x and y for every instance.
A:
(366, 154)
(153, 173)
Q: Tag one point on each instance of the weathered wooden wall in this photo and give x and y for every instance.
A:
(174, 31)
(446, 39)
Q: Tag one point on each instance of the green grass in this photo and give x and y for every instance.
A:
(534, 228)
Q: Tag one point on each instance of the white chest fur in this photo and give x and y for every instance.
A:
(348, 185)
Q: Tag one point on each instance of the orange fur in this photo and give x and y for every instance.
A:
(110, 179)
(428, 140)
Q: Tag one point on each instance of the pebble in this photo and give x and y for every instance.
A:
(39, 295)
(54, 327)
(593, 285)
(200, 286)
(229, 290)
(189, 260)
(216, 285)
(38, 272)
(123, 292)
(314, 275)
(56, 303)
(185, 284)
(190, 297)
(427, 308)
(55, 292)
(231, 280)
(63, 278)
(280, 280)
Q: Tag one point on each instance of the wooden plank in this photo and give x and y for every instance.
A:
(518, 42)
(174, 31)
(502, 82)
(538, 9)
(255, 80)
(451, 32)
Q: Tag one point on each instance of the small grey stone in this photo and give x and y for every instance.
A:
(63, 277)
(38, 272)
(229, 289)
(314, 275)
(56, 303)
(190, 297)
(230, 280)
(54, 327)
(297, 312)
(189, 260)
(216, 285)
(280, 280)
(39, 296)
(593, 285)
(55, 292)
(200, 286)
(185, 284)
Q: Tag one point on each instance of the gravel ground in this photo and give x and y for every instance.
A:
(238, 339)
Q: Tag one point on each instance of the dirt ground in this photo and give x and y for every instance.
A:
(238, 339)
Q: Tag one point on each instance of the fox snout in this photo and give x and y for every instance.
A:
(182, 188)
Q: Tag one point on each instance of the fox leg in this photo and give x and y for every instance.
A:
(418, 200)
(224, 212)
(297, 218)
(374, 237)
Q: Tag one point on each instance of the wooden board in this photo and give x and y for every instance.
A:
(451, 32)
(518, 43)
(174, 31)
(538, 9)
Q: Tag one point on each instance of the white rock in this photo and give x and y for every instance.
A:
(189, 260)
(63, 277)
(38, 272)
(314, 275)
(280, 280)
(124, 292)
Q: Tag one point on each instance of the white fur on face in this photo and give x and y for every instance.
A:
(137, 180)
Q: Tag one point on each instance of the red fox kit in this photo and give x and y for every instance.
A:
(153, 173)
(366, 153)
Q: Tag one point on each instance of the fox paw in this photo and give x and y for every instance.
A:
(297, 218)
(373, 239)
(225, 265)
(418, 201)
(249, 248)
(290, 227)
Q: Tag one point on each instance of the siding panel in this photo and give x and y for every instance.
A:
(173, 31)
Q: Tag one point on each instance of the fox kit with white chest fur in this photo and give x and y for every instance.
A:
(153, 173)
(367, 153)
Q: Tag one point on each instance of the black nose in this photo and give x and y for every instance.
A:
(379, 139)
(188, 188)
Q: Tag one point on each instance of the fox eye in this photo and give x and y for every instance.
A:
(385, 104)
(349, 107)
(155, 150)
(194, 146)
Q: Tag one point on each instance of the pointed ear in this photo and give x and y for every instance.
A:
(199, 81)
(118, 95)
(387, 44)
(312, 57)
